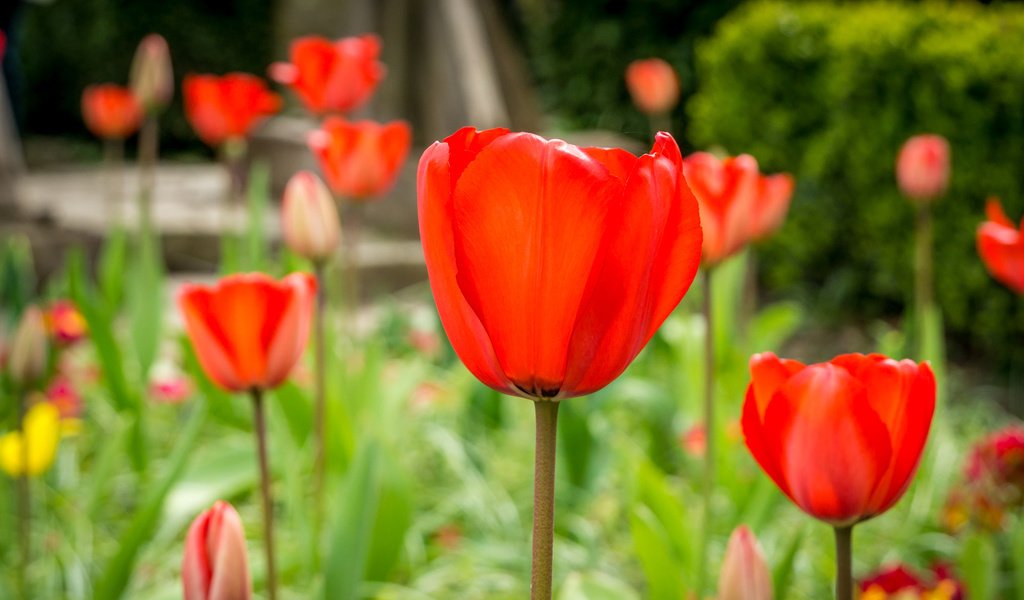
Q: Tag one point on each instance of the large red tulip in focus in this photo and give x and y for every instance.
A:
(110, 111)
(215, 565)
(227, 107)
(841, 439)
(249, 330)
(922, 169)
(1001, 246)
(553, 265)
(360, 159)
(774, 193)
(332, 76)
(727, 191)
(653, 85)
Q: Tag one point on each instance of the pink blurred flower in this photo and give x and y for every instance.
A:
(922, 169)
(695, 440)
(62, 394)
(170, 390)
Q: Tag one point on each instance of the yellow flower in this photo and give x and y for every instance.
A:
(42, 431)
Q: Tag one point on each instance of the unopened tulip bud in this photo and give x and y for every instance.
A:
(27, 361)
(653, 85)
(152, 79)
(309, 218)
(744, 574)
(216, 566)
(922, 169)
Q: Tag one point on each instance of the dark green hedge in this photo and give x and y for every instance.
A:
(830, 92)
(67, 44)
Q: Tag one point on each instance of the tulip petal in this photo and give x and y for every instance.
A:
(211, 345)
(226, 545)
(645, 265)
(1002, 250)
(288, 327)
(196, 570)
(767, 374)
(833, 448)
(530, 217)
(438, 167)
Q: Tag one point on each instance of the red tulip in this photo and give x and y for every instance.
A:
(216, 565)
(65, 323)
(999, 460)
(653, 84)
(922, 169)
(110, 111)
(869, 415)
(727, 191)
(744, 574)
(227, 107)
(360, 159)
(773, 195)
(249, 330)
(553, 265)
(1001, 246)
(152, 78)
(332, 77)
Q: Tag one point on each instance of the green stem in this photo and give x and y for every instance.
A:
(923, 286)
(544, 498)
(844, 563)
(268, 505)
(709, 428)
(149, 142)
(320, 343)
(24, 504)
(113, 164)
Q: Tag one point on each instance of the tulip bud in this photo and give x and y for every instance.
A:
(309, 218)
(653, 85)
(744, 574)
(215, 565)
(27, 361)
(152, 79)
(922, 169)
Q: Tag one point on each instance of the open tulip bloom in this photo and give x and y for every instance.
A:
(552, 266)
(249, 331)
(332, 77)
(1001, 247)
(841, 439)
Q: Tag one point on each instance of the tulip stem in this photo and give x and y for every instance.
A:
(709, 429)
(844, 563)
(319, 269)
(113, 163)
(923, 278)
(24, 504)
(149, 142)
(544, 498)
(268, 505)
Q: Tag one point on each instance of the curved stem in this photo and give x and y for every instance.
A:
(268, 505)
(844, 563)
(709, 429)
(544, 498)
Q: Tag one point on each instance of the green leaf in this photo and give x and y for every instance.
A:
(17, 275)
(595, 586)
(979, 563)
(351, 539)
(117, 574)
(297, 408)
(1017, 557)
(258, 197)
(393, 519)
(112, 265)
(782, 574)
(146, 302)
(662, 569)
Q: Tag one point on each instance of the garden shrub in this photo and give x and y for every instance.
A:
(830, 92)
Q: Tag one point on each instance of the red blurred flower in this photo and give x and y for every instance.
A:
(110, 111)
(727, 191)
(63, 395)
(227, 107)
(249, 330)
(215, 565)
(870, 416)
(1001, 247)
(922, 169)
(332, 77)
(65, 324)
(360, 159)
(999, 458)
(553, 265)
(892, 579)
(774, 193)
(170, 390)
(653, 84)
(900, 581)
(695, 440)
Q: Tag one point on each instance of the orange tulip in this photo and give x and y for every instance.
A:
(774, 193)
(1001, 246)
(227, 107)
(249, 330)
(922, 169)
(870, 416)
(360, 159)
(215, 565)
(110, 111)
(727, 191)
(552, 265)
(653, 84)
(332, 77)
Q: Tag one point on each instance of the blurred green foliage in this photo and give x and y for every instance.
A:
(69, 44)
(830, 93)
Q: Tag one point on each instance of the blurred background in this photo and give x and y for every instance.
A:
(825, 91)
